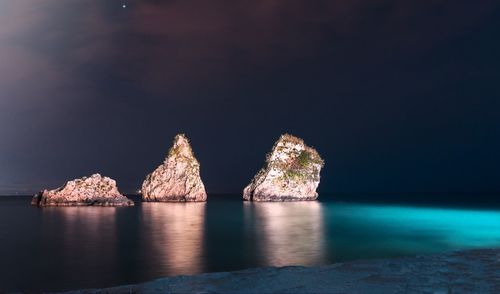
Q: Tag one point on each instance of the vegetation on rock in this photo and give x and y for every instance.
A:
(291, 172)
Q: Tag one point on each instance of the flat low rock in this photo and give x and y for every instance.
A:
(95, 190)
(291, 173)
(474, 271)
(178, 178)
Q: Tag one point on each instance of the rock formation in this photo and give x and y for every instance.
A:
(94, 190)
(178, 178)
(291, 173)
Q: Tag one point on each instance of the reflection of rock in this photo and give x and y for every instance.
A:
(80, 238)
(177, 232)
(178, 178)
(97, 223)
(94, 190)
(289, 233)
(291, 173)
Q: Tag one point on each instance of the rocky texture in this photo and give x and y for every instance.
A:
(94, 190)
(291, 173)
(474, 271)
(178, 178)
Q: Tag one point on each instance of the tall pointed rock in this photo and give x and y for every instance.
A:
(291, 173)
(178, 178)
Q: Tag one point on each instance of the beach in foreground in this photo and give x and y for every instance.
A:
(472, 271)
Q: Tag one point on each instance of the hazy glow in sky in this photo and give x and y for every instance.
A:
(396, 96)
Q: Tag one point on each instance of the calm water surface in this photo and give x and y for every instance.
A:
(62, 248)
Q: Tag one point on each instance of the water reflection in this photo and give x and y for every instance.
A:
(287, 233)
(85, 240)
(175, 233)
(89, 222)
(87, 247)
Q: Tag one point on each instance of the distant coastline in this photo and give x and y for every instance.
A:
(471, 271)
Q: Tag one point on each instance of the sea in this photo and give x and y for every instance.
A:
(68, 248)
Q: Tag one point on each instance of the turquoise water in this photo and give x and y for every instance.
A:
(384, 230)
(64, 248)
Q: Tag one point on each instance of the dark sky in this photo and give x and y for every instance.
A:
(397, 96)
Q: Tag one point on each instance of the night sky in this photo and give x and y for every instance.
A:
(397, 96)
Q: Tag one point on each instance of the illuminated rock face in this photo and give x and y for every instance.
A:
(178, 178)
(291, 173)
(87, 191)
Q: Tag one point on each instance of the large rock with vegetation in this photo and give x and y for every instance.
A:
(87, 191)
(291, 173)
(178, 178)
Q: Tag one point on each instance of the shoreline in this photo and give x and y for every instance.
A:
(470, 271)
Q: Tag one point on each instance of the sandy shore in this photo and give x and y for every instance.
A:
(473, 271)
